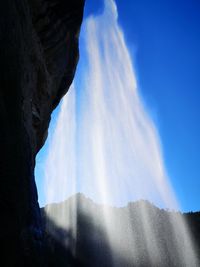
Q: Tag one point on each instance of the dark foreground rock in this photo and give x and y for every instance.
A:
(89, 245)
(38, 58)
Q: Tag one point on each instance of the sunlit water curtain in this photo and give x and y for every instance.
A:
(106, 145)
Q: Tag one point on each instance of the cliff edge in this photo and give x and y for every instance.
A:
(38, 58)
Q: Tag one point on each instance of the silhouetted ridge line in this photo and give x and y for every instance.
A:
(91, 245)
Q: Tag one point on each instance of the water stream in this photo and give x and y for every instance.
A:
(105, 144)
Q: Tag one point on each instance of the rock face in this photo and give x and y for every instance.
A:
(127, 245)
(38, 58)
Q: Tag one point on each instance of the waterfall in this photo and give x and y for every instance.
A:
(105, 144)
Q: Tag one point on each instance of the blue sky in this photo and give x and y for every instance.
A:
(163, 37)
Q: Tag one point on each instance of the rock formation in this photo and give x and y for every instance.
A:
(38, 58)
(93, 247)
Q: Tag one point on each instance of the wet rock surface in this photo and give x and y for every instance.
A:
(127, 246)
(38, 58)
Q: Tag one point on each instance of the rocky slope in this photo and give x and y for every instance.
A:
(38, 58)
(93, 246)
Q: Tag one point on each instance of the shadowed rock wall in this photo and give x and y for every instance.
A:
(38, 58)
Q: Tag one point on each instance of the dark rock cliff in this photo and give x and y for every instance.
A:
(38, 58)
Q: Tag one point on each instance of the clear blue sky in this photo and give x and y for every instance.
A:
(164, 39)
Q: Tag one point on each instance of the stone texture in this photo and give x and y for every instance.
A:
(38, 58)
(92, 244)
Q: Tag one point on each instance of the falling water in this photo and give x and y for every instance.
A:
(106, 145)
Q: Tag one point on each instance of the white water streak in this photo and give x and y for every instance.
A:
(60, 169)
(123, 141)
(119, 156)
